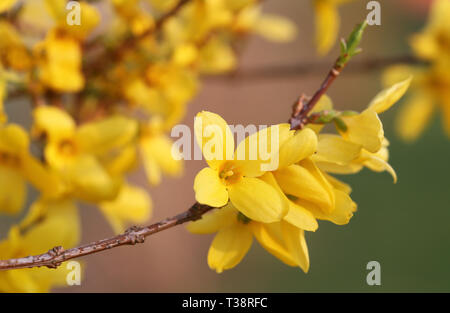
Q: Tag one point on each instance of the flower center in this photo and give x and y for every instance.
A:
(9, 159)
(67, 147)
(229, 174)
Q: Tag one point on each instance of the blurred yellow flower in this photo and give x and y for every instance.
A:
(132, 205)
(75, 152)
(17, 166)
(47, 225)
(327, 23)
(433, 42)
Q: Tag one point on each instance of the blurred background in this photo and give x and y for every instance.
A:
(403, 226)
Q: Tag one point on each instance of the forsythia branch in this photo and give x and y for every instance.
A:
(55, 256)
(135, 234)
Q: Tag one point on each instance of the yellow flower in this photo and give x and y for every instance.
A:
(76, 152)
(61, 66)
(17, 166)
(132, 205)
(13, 51)
(235, 236)
(6, 5)
(235, 175)
(156, 153)
(327, 23)
(362, 142)
(434, 41)
(48, 224)
(429, 93)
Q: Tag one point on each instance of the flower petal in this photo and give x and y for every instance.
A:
(387, 97)
(259, 152)
(364, 129)
(302, 145)
(295, 242)
(209, 189)
(327, 25)
(257, 200)
(100, 137)
(414, 115)
(296, 215)
(214, 137)
(132, 205)
(341, 215)
(12, 190)
(335, 149)
(229, 247)
(300, 182)
(270, 236)
(214, 221)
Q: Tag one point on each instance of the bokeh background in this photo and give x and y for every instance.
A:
(403, 226)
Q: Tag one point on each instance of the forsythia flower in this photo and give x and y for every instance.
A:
(76, 152)
(157, 153)
(48, 224)
(235, 175)
(306, 191)
(362, 141)
(17, 166)
(430, 87)
(327, 23)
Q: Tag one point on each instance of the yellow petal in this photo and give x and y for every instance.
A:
(229, 247)
(13, 139)
(209, 189)
(54, 122)
(214, 137)
(60, 227)
(132, 205)
(338, 184)
(398, 73)
(302, 183)
(296, 215)
(295, 242)
(12, 190)
(90, 181)
(276, 28)
(335, 149)
(302, 145)
(257, 200)
(387, 97)
(112, 132)
(270, 236)
(343, 212)
(327, 25)
(216, 57)
(214, 221)
(377, 164)
(40, 177)
(365, 129)
(259, 152)
(6, 5)
(157, 150)
(414, 116)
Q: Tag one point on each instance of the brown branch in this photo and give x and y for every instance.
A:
(303, 107)
(297, 70)
(54, 257)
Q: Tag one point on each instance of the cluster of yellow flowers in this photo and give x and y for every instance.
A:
(104, 92)
(276, 204)
(430, 89)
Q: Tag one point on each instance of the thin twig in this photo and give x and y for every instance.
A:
(54, 257)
